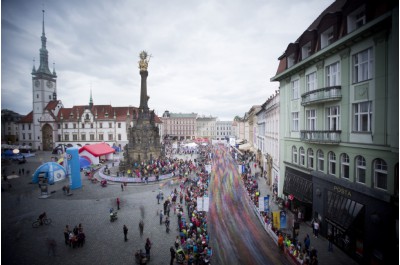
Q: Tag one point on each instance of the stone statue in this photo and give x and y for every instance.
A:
(144, 61)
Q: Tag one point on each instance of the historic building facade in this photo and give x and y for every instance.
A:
(50, 123)
(339, 126)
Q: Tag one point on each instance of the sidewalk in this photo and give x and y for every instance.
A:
(320, 244)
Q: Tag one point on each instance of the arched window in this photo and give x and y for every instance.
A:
(310, 158)
(87, 116)
(360, 169)
(332, 163)
(380, 174)
(302, 156)
(294, 155)
(344, 166)
(320, 162)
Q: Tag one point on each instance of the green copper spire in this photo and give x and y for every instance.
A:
(91, 99)
(44, 64)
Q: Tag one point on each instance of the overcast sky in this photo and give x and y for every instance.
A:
(208, 57)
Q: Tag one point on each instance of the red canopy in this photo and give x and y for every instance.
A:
(98, 149)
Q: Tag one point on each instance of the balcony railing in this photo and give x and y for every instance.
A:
(321, 95)
(323, 137)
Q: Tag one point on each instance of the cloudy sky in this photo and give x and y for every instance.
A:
(210, 57)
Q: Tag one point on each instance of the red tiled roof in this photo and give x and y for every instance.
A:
(98, 149)
(51, 105)
(27, 119)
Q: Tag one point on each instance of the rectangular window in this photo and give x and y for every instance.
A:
(74, 125)
(361, 168)
(23, 136)
(306, 50)
(356, 19)
(320, 161)
(295, 89)
(295, 121)
(333, 118)
(29, 126)
(311, 81)
(82, 125)
(59, 137)
(29, 136)
(332, 163)
(119, 125)
(101, 125)
(23, 126)
(83, 136)
(110, 137)
(119, 137)
(91, 126)
(362, 66)
(327, 37)
(310, 159)
(66, 137)
(101, 137)
(66, 126)
(345, 166)
(311, 116)
(362, 116)
(91, 137)
(290, 60)
(75, 137)
(109, 125)
(333, 75)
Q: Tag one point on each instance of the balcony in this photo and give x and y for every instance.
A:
(321, 95)
(321, 137)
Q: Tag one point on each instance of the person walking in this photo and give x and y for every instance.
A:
(147, 247)
(66, 235)
(161, 217)
(51, 246)
(330, 241)
(122, 187)
(118, 203)
(167, 224)
(316, 228)
(172, 251)
(125, 229)
(141, 227)
(307, 243)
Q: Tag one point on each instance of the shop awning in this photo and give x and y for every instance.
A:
(342, 211)
(298, 185)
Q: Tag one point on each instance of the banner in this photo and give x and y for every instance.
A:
(282, 219)
(203, 204)
(263, 204)
(276, 219)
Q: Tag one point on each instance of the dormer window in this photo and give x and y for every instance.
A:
(306, 50)
(327, 37)
(356, 19)
(290, 60)
(87, 116)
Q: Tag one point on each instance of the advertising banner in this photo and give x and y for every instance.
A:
(263, 204)
(276, 219)
(282, 219)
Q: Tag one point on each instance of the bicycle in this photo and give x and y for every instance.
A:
(46, 221)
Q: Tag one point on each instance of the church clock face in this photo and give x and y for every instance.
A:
(49, 84)
(37, 83)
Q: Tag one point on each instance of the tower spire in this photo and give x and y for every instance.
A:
(91, 99)
(44, 62)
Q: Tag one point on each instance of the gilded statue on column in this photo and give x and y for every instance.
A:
(144, 61)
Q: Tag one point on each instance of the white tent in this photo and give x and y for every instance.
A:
(245, 147)
(191, 145)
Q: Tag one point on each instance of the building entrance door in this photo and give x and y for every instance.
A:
(47, 137)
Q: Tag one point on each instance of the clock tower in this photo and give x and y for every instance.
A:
(44, 89)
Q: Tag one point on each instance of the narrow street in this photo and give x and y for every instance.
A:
(237, 235)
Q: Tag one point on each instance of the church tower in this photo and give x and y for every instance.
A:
(44, 89)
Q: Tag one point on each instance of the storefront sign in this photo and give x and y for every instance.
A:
(342, 191)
